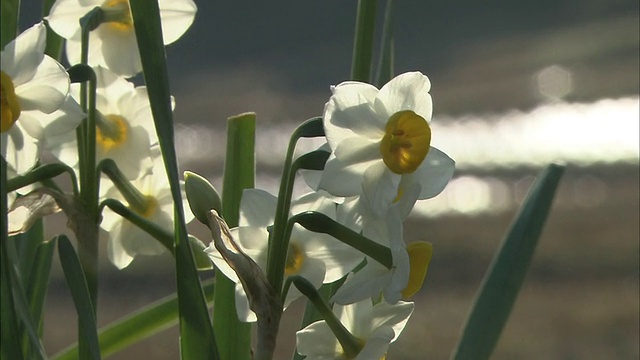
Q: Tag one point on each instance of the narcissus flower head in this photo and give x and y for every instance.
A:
(35, 99)
(381, 142)
(113, 44)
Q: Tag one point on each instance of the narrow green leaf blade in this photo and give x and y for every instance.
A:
(197, 340)
(137, 326)
(363, 40)
(9, 24)
(9, 337)
(39, 280)
(386, 62)
(239, 174)
(80, 293)
(507, 271)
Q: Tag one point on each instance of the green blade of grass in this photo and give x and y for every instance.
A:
(197, 339)
(507, 271)
(239, 174)
(9, 24)
(363, 40)
(39, 281)
(77, 283)
(137, 326)
(386, 62)
(9, 337)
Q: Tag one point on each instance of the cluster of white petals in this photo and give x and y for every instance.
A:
(375, 326)
(113, 44)
(36, 106)
(317, 257)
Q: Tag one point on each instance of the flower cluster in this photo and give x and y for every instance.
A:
(380, 164)
(41, 111)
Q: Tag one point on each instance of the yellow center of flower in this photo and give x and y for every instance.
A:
(10, 103)
(117, 15)
(295, 259)
(147, 207)
(406, 142)
(111, 132)
(420, 253)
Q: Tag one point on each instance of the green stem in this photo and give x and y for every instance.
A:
(363, 40)
(350, 343)
(278, 244)
(239, 174)
(41, 173)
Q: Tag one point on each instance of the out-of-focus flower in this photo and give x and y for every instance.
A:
(317, 257)
(374, 326)
(35, 101)
(113, 44)
(124, 126)
(127, 240)
(380, 142)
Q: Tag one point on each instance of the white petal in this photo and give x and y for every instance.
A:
(317, 341)
(376, 345)
(65, 14)
(47, 90)
(19, 150)
(136, 241)
(349, 113)
(408, 91)
(120, 51)
(257, 208)
(49, 127)
(434, 173)
(364, 284)
(379, 188)
(245, 314)
(395, 316)
(21, 57)
(220, 263)
(343, 179)
(115, 251)
(177, 16)
(313, 270)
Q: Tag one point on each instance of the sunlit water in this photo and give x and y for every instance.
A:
(603, 132)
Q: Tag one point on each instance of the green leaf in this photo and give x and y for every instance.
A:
(386, 63)
(9, 337)
(137, 326)
(39, 281)
(507, 271)
(363, 40)
(81, 299)
(239, 174)
(10, 10)
(197, 339)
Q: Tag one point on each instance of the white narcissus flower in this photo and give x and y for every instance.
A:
(317, 257)
(409, 262)
(374, 278)
(127, 240)
(35, 101)
(380, 142)
(124, 126)
(113, 44)
(374, 326)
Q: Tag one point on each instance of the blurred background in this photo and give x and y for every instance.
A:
(515, 85)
